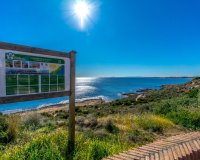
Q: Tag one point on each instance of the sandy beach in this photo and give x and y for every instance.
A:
(58, 107)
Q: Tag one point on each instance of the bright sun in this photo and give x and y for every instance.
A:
(82, 10)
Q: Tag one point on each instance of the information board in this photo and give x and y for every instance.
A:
(24, 73)
(29, 73)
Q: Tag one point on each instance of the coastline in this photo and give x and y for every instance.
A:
(137, 94)
(57, 107)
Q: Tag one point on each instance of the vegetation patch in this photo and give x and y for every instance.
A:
(111, 128)
(186, 118)
(139, 136)
(193, 93)
(32, 121)
(153, 123)
(104, 129)
(53, 146)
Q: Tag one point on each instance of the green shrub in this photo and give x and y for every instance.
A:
(3, 130)
(32, 122)
(193, 93)
(1, 149)
(122, 102)
(46, 114)
(153, 123)
(87, 122)
(9, 127)
(97, 151)
(62, 114)
(91, 121)
(3, 123)
(100, 134)
(174, 105)
(53, 146)
(43, 147)
(140, 137)
(186, 118)
(111, 127)
(164, 108)
(13, 127)
(196, 78)
(50, 126)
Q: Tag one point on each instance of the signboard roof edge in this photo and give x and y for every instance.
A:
(22, 48)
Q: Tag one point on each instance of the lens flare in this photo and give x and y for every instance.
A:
(82, 10)
(81, 13)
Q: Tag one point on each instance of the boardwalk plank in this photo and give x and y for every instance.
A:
(180, 147)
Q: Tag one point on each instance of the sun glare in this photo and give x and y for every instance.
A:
(82, 9)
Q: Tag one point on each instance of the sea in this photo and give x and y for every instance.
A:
(107, 89)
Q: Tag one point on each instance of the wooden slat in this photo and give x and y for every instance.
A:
(39, 51)
(30, 97)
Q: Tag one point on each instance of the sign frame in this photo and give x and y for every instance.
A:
(41, 52)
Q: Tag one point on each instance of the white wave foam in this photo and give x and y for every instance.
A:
(45, 105)
(13, 111)
(106, 99)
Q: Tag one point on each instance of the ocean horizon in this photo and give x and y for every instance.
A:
(106, 88)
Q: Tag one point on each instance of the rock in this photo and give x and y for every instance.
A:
(131, 95)
(141, 96)
(144, 90)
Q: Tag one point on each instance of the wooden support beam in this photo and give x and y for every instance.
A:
(71, 138)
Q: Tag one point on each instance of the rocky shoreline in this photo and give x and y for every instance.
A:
(145, 93)
(141, 94)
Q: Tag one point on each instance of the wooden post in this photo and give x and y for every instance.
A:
(71, 139)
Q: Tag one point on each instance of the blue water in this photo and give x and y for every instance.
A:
(92, 88)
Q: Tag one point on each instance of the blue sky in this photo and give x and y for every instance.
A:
(125, 38)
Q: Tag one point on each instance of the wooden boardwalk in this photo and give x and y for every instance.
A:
(180, 147)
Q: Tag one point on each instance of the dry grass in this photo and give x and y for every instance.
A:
(14, 122)
(128, 122)
(154, 123)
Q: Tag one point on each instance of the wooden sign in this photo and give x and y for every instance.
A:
(29, 73)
